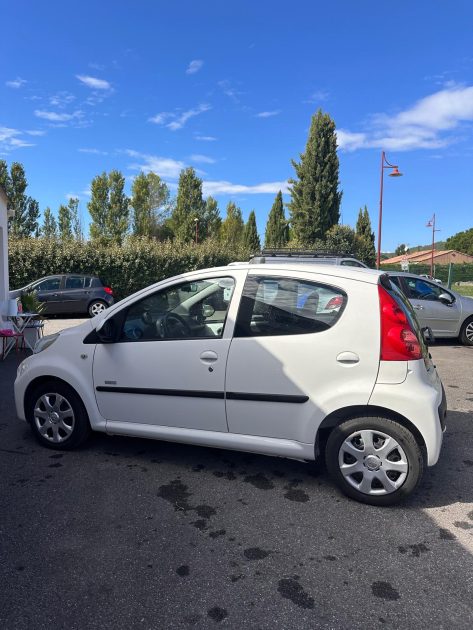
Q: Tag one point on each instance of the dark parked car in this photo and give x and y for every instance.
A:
(70, 293)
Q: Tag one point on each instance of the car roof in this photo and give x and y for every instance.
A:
(362, 274)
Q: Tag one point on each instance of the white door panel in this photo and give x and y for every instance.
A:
(169, 365)
(304, 367)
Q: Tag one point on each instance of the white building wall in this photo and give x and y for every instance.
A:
(3, 249)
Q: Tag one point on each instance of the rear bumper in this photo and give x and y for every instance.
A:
(421, 400)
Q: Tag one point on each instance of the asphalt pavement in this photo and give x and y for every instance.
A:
(129, 533)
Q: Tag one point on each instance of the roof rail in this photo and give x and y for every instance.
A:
(290, 252)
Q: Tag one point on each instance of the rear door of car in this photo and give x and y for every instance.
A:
(74, 294)
(291, 362)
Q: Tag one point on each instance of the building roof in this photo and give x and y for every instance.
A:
(424, 256)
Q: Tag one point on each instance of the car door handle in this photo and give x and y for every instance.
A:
(348, 358)
(208, 357)
(418, 307)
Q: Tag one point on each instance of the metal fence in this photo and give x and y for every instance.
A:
(448, 274)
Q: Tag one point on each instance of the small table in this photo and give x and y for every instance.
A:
(19, 323)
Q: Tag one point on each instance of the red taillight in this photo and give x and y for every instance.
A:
(335, 302)
(398, 341)
(108, 290)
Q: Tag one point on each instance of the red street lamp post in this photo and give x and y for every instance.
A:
(395, 173)
(431, 224)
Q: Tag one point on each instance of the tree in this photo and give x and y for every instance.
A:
(365, 248)
(151, 204)
(276, 234)
(64, 223)
(315, 197)
(108, 207)
(76, 223)
(400, 249)
(190, 206)
(25, 221)
(462, 241)
(250, 237)
(341, 239)
(49, 228)
(232, 229)
(212, 218)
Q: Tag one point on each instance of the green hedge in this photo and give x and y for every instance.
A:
(127, 268)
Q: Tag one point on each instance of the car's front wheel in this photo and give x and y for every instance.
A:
(374, 460)
(466, 333)
(96, 307)
(57, 416)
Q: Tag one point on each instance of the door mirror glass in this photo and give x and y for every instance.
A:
(446, 298)
(207, 310)
(107, 331)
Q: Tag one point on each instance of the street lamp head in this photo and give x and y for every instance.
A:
(395, 172)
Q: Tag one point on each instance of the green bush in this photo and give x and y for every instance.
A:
(127, 268)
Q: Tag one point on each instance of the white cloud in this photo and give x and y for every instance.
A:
(57, 117)
(194, 66)
(93, 82)
(61, 99)
(10, 140)
(317, 97)
(227, 188)
(93, 151)
(176, 120)
(206, 138)
(35, 132)
(202, 159)
(16, 83)
(229, 90)
(425, 125)
(164, 167)
(274, 112)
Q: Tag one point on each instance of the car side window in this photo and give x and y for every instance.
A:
(352, 263)
(395, 280)
(74, 282)
(287, 306)
(419, 289)
(189, 310)
(50, 284)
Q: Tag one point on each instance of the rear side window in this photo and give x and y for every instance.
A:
(287, 306)
(95, 283)
(74, 282)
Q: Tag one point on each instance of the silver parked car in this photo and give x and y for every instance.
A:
(446, 312)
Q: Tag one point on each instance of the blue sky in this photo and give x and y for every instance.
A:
(229, 88)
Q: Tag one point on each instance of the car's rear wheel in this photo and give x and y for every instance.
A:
(374, 460)
(466, 333)
(57, 416)
(96, 307)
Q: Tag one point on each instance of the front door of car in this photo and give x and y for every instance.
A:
(74, 295)
(442, 317)
(294, 357)
(48, 292)
(167, 367)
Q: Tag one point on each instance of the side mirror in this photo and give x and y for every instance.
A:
(445, 298)
(207, 310)
(107, 331)
(428, 335)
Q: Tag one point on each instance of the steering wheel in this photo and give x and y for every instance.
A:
(173, 325)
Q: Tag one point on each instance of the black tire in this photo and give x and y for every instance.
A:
(464, 333)
(76, 422)
(94, 307)
(385, 494)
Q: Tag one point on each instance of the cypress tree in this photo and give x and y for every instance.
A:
(190, 206)
(64, 223)
(108, 207)
(365, 248)
(49, 228)
(250, 237)
(276, 234)
(212, 218)
(232, 230)
(315, 197)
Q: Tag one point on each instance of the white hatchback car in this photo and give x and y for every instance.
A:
(247, 358)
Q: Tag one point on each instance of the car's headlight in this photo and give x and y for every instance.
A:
(44, 343)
